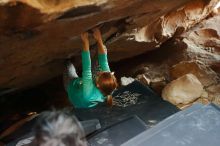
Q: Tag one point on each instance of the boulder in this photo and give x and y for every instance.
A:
(202, 43)
(204, 73)
(183, 90)
(36, 36)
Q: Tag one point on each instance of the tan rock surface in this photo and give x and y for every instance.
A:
(203, 42)
(183, 90)
(36, 35)
(214, 93)
(205, 75)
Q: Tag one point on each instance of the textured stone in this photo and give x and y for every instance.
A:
(183, 90)
(143, 79)
(205, 75)
(158, 86)
(203, 42)
(214, 93)
(36, 36)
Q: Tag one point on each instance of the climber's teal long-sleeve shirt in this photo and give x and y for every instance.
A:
(82, 92)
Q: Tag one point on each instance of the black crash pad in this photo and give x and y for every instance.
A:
(118, 133)
(150, 107)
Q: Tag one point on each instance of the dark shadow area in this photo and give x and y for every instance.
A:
(19, 105)
(167, 50)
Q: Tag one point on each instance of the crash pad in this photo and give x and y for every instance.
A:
(196, 126)
(150, 107)
(118, 133)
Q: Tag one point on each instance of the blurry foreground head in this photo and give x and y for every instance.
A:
(58, 128)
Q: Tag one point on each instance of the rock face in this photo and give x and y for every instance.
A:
(36, 36)
(208, 78)
(183, 90)
(205, 75)
(214, 93)
(203, 41)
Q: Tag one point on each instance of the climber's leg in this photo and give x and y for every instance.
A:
(69, 74)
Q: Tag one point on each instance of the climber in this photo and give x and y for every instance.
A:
(85, 92)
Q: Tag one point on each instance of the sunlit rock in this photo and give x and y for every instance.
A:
(183, 90)
(36, 36)
(214, 93)
(205, 75)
